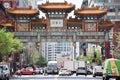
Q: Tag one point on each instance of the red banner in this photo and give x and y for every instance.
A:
(107, 49)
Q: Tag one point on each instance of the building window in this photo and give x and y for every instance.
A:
(111, 8)
(109, 1)
(111, 17)
(97, 1)
(119, 8)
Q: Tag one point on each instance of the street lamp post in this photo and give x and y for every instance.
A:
(74, 54)
(112, 51)
(94, 54)
(38, 46)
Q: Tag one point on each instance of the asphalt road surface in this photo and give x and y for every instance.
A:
(54, 77)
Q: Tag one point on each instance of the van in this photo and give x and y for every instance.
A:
(52, 67)
(111, 69)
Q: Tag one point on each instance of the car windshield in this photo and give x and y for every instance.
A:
(29, 68)
(63, 69)
(81, 68)
(52, 66)
(3, 67)
(0, 70)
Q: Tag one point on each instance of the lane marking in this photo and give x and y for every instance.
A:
(56, 77)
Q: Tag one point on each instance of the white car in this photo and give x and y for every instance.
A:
(64, 72)
(1, 74)
(89, 71)
(39, 70)
(81, 70)
(97, 71)
(6, 71)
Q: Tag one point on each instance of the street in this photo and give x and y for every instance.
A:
(54, 77)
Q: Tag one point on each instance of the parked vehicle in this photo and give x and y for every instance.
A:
(89, 71)
(6, 71)
(111, 69)
(73, 65)
(70, 65)
(52, 67)
(64, 72)
(97, 71)
(39, 70)
(1, 74)
(27, 71)
(89, 68)
(81, 70)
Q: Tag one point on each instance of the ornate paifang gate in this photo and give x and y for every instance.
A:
(87, 26)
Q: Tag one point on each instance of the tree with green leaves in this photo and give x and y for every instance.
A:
(8, 44)
(33, 56)
(90, 57)
(41, 61)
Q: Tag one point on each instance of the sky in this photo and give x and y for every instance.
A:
(76, 2)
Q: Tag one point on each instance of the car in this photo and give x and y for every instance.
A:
(52, 67)
(1, 74)
(26, 71)
(89, 71)
(39, 70)
(64, 72)
(81, 70)
(97, 71)
(6, 71)
(111, 69)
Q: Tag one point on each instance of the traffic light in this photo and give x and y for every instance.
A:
(102, 50)
(95, 55)
(17, 59)
(21, 51)
(93, 60)
(9, 54)
(84, 51)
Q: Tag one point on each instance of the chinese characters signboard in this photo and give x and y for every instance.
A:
(90, 26)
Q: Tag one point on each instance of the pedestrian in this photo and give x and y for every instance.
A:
(44, 71)
(18, 73)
